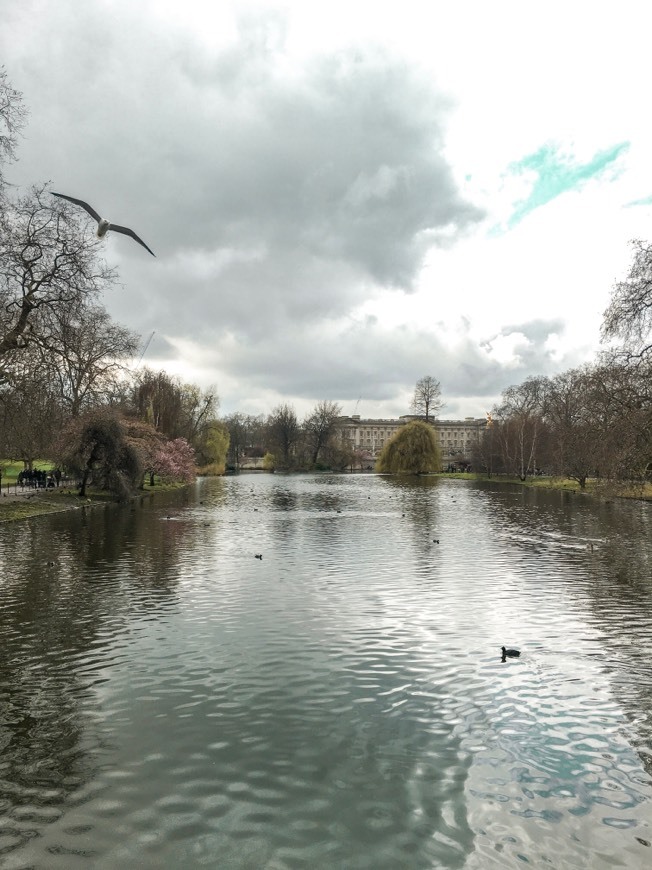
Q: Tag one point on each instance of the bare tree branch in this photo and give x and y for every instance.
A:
(47, 263)
(426, 401)
(629, 315)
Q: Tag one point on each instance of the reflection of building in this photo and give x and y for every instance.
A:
(457, 438)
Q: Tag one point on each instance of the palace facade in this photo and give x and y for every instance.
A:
(456, 437)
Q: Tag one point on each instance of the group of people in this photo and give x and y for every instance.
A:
(36, 478)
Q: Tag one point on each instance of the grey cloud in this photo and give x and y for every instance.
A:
(531, 350)
(538, 330)
(373, 362)
(276, 202)
(329, 359)
(340, 162)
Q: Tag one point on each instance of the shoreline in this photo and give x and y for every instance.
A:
(37, 503)
(18, 506)
(605, 491)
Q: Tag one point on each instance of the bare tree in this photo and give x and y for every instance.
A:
(283, 432)
(157, 400)
(47, 264)
(88, 356)
(577, 432)
(176, 409)
(199, 408)
(519, 425)
(30, 410)
(426, 401)
(320, 426)
(245, 434)
(624, 376)
(146, 441)
(629, 315)
(12, 120)
(621, 400)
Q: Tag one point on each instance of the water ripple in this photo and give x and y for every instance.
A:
(169, 700)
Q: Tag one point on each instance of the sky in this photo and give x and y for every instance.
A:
(344, 197)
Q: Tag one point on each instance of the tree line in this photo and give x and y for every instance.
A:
(594, 421)
(281, 441)
(69, 390)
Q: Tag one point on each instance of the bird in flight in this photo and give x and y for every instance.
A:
(103, 226)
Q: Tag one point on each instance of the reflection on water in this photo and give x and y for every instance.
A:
(168, 700)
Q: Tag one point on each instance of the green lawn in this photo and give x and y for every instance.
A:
(10, 469)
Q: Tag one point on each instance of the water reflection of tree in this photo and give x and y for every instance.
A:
(48, 624)
(620, 595)
(283, 498)
(67, 594)
(415, 496)
(145, 537)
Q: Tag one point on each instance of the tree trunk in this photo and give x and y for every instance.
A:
(84, 481)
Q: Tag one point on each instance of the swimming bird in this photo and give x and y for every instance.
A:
(510, 653)
(103, 226)
(259, 556)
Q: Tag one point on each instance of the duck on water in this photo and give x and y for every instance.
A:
(509, 653)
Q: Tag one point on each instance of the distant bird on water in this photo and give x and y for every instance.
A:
(510, 653)
(103, 226)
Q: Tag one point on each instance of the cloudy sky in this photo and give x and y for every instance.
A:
(346, 196)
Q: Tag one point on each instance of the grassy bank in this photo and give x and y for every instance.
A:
(11, 469)
(597, 488)
(36, 503)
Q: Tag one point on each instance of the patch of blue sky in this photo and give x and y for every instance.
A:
(646, 200)
(555, 173)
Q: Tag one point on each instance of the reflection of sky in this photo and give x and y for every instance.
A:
(350, 681)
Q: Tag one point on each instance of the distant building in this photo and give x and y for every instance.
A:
(457, 438)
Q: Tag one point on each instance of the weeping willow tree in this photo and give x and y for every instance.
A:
(97, 450)
(412, 450)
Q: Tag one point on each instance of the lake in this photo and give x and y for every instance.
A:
(169, 700)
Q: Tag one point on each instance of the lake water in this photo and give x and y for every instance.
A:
(168, 700)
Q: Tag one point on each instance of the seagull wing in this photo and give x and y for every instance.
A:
(127, 232)
(80, 202)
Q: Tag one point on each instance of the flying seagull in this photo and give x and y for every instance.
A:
(103, 226)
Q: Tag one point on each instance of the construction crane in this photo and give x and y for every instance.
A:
(147, 344)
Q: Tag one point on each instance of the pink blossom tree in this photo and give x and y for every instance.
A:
(175, 461)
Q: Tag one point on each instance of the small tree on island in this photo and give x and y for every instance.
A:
(412, 450)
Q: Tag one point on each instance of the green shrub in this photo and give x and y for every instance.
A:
(412, 450)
